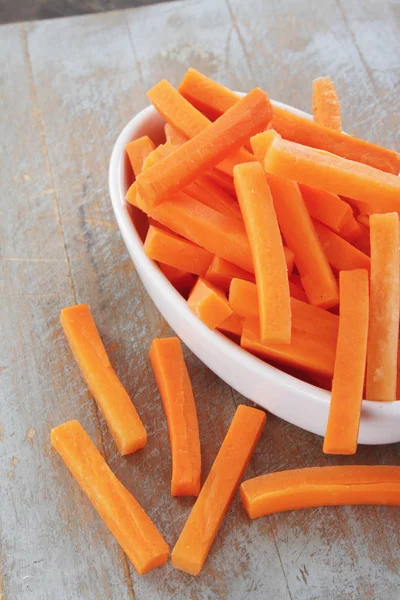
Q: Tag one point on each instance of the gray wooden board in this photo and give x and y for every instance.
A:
(67, 88)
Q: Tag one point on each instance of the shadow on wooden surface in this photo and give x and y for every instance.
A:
(12, 11)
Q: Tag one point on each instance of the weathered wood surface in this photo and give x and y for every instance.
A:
(67, 88)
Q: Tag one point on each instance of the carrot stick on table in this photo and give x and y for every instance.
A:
(351, 352)
(206, 516)
(204, 151)
(176, 393)
(326, 106)
(327, 208)
(320, 486)
(181, 280)
(267, 250)
(217, 98)
(221, 272)
(120, 511)
(340, 253)
(137, 151)
(306, 352)
(175, 251)
(384, 308)
(299, 232)
(375, 188)
(209, 304)
(117, 408)
(188, 120)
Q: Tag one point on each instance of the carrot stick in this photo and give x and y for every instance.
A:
(351, 230)
(181, 280)
(296, 289)
(341, 255)
(189, 121)
(384, 308)
(221, 272)
(209, 304)
(232, 326)
(173, 135)
(300, 235)
(327, 208)
(379, 190)
(205, 191)
(202, 152)
(120, 511)
(224, 181)
(320, 486)
(215, 97)
(305, 317)
(351, 352)
(131, 195)
(120, 414)
(326, 106)
(267, 250)
(363, 242)
(176, 251)
(137, 151)
(176, 393)
(206, 516)
(306, 352)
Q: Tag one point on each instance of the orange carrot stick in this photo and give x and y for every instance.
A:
(351, 230)
(137, 151)
(306, 352)
(176, 251)
(181, 280)
(326, 106)
(221, 272)
(363, 242)
(206, 516)
(205, 191)
(176, 393)
(296, 289)
(188, 120)
(202, 152)
(351, 352)
(224, 181)
(232, 326)
(173, 135)
(209, 304)
(384, 308)
(320, 486)
(305, 317)
(300, 235)
(267, 250)
(218, 99)
(120, 511)
(379, 190)
(120, 414)
(326, 208)
(340, 254)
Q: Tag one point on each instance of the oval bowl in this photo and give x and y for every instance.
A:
(291, 399)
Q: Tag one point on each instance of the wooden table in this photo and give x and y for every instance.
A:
(68, 87)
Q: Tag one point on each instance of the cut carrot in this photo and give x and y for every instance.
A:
(120, 414)
(305, 317)
(341, 255)
(306, 352)
(174, 136)
(206, 516)
(300, 235)
(158, 153)
(137, 151)
(267, 250)
(352, 230)
(384, 308)
(224, 181)
(175, 251)
(296, 290)
(131, 195)
(363, 242)
(209, 304)
(327, 208)
(206, 191)
(381, 191)
(232, 326)
(326, 106)
(221, 272)
(215, 97)
(351, 352)
(363, 220)
(320, 486)
(188, 120)
(181, 280)
(202, 152)
(176, 393)
(120, 511)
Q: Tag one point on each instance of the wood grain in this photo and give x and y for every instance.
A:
(68, 87)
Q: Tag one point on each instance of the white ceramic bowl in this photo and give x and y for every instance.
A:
(285, 396)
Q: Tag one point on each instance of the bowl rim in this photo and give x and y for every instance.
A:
(117, 175)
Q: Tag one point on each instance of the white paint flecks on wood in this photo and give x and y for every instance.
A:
(68, 88)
